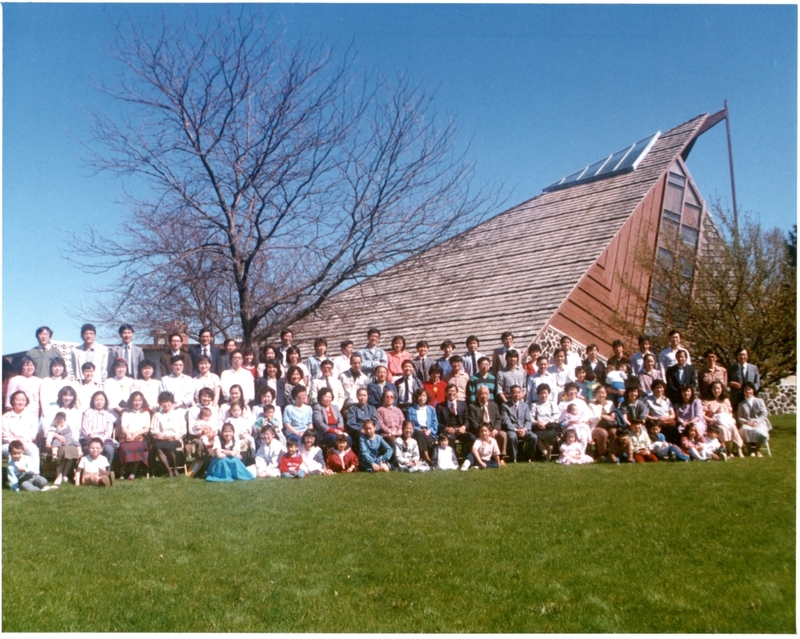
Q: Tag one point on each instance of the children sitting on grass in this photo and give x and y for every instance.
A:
(406, 451)
(94, 467)
(661, 448)
(374, 452)
(313, 463)
(269, 453)
(444, 455)
(291, 462)
(485, 452)
(226, 464)
(572, 451)
(342, 459)
(21, 471)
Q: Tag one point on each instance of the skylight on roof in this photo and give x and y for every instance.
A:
(623, 161)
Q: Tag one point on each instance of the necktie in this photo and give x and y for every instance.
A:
(127, 357)
(90, 355)
(205, 351)
(741, 374)
(408, 398)
(328, 382)
(474, 364)
(453, 408)
(485, 413)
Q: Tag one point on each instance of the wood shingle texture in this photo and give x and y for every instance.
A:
(485, 281)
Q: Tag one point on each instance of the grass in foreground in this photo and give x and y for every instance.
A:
(648, 548)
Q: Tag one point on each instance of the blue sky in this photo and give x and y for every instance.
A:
(539, 91)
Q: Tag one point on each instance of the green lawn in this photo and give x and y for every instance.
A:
(646, 548)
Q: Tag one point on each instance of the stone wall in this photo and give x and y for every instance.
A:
(782, 398)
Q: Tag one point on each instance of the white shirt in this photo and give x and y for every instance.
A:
(667, 357)
(117, 390)
(181, 387)
(341, 364)
(93, 466)
(242, 377)
(30, 386)
(97, 355)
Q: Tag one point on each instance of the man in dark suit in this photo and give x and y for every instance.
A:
(422, 362)
(132, 354)
(485, 412)
(375, 389)
(516, 417)
(595, 369)
(741, 373)
(175, 344)
(452, 416)
(499, 354)
(680, 375)
(205, 347)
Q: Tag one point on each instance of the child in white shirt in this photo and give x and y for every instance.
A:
(242, 426)
(406, 451)
(313, 462)
(444, 456)
(572, 451)
(269, 453)
(94, 466)
(615, 380)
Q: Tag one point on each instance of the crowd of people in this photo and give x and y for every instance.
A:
(241, 414)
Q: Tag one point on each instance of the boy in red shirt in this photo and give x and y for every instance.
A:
(290, 461)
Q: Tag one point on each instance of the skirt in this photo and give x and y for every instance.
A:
(134, 452)
(174, 446)
(227, 469)
(69, 452)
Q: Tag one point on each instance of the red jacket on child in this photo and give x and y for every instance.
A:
(338, 464)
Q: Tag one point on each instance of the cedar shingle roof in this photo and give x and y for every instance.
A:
(485, 280)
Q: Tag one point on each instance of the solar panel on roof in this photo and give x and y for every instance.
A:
(623, 161)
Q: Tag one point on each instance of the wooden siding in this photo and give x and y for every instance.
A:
(588, 314)
(481, 282)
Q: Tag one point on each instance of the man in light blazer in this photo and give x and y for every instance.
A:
(132, 354)
(740, 374)
(205, 347)
(517, 423)
(499, 354)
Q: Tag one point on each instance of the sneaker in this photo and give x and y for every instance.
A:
(723, 456)
(465, 465)
(49, 488)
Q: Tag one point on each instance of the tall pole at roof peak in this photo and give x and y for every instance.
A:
(733, 182)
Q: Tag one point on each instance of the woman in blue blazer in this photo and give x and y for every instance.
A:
(426, 426)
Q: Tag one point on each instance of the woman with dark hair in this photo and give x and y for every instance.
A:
(21, 425)
(50, 387)
(293, 359)
(660, 411)
(271, 379)
(710, 373)
(249, 361)
(648, 375)
(134, 429)
(294, 377)
(28, 383)
(99, 422)
(690, 411)
(396, 357)
(426, 424)
(753, 419)
(718, 412)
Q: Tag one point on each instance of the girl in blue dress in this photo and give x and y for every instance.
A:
(226, 464)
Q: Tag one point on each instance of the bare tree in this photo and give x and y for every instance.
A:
(265, 177)
(727, 295)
